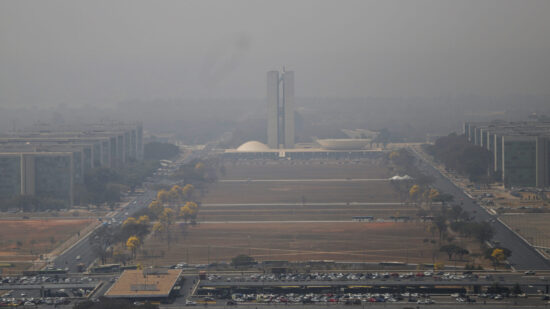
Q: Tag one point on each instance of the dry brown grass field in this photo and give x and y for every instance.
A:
(304, 169)
(303, 241)
(244, 217)
(292, 192)
(340, 212)
(343, 189)
(25, 240)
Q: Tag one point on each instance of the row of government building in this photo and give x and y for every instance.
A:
(50, 161)
(521, 150)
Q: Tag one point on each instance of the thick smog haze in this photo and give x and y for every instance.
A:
(103, 52)
(269, 154)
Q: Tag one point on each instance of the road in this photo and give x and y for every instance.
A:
(82, 249)
(524, 257)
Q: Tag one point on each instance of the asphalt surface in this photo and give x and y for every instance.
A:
(524, 257)
(82, 249)
(82, 252)
(49, 286)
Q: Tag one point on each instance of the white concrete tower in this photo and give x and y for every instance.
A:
(288, 108)
(273, 109)
(280, 109)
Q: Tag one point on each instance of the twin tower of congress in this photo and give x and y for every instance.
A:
(280, 109)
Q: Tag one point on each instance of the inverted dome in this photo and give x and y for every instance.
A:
(253, 146)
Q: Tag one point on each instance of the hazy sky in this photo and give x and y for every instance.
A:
(103, 52)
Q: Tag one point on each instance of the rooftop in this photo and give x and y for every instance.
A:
(145, 283)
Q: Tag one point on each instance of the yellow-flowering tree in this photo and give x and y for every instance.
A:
(175, 193)
(133, 244)
(163, 196)
(143, 219)
(156, 208)
(497, 256)
(158, 228)
(167, 218)
(429, 195)
(188, 191)
(189, 211)
(414, 192)
(394, 155)
(129, 221)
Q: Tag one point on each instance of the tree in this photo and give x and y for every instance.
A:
(96, 180)
(143, 220)
(414, 192)
(456, 212)
(430, 194)
(433, 193)
(129, 221)
(156, 208)
(132, 226)
(242, 260)
(158, 228)
(483, 232)
(439, 266)
(383, 137)
(497, 256)
(163, 196)
(185, 212)
(443, 198)
(159, 151)
(121, 257)
(167, 218)
(457, 153)
(101, 240)
(175, 194)
(133, 244)
(452, 249)
(441, 224)
(189, 211)
(188, 191)
(461, 252)
(199, 168)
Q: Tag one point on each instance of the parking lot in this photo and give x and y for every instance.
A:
(44, 290)
(422, 287)
(341, 276)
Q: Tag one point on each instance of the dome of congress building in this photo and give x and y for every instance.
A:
(253, 146)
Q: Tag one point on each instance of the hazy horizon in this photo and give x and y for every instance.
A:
(101, 53)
